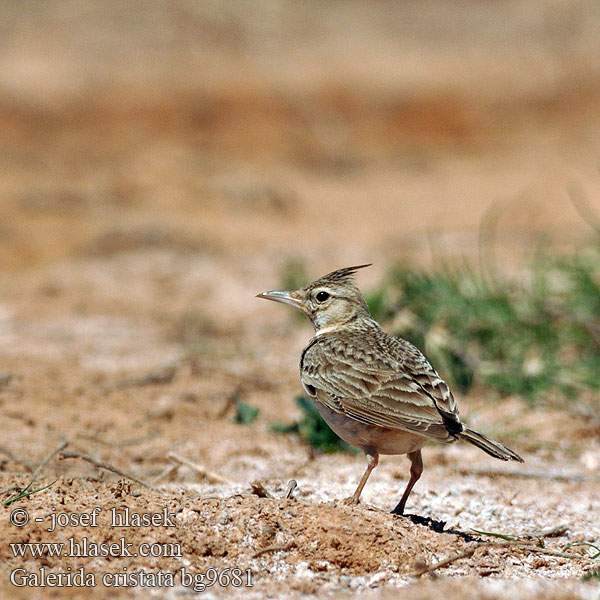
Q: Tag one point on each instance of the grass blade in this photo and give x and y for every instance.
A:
(597, 555)
(502, 536)
(24, 493)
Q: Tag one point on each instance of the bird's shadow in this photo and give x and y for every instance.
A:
(439, 527)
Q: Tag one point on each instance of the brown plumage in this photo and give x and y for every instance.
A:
(377, 392)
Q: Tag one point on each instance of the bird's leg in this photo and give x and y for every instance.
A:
(416, 469)
(372, 462)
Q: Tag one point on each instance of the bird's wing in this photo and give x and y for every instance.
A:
(381, 381)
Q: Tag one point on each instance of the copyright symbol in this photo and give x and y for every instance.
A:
(19, 517)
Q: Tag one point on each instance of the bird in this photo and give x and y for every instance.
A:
(376, 391)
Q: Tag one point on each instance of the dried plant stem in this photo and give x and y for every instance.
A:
(212, 477)
(527, 474)
(61, 446)
(445, 562)
(108, 467)
(519, 545)
(540, 550)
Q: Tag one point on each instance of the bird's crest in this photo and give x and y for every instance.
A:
(345, 274)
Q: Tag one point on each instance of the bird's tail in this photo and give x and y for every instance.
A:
(493, 448)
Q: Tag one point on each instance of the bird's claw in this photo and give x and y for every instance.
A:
(351, 501)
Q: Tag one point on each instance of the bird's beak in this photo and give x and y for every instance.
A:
(284, 297)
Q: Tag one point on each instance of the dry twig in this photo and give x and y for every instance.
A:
(107, 467)
(170, 470)
(63, 444)
(518, 545)
(120, 443)
(541, 550)
(489, 472)
(202, 471)
(445, 562)
(159, 376)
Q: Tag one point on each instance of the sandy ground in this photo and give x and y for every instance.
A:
(161, 164)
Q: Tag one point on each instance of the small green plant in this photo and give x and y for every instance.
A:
(537, 336)
(312, 429)
(244, 413)
(27, 492)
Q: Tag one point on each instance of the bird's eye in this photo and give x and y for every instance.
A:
(322, 296)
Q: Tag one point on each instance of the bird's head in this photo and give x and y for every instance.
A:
(330, 302)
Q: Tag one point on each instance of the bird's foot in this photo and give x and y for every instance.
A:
(350, 501)
(398, 510)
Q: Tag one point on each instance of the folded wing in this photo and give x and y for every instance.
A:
(381, 381)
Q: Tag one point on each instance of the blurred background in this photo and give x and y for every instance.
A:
(341, 131)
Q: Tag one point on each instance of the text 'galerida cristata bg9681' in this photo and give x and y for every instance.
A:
(377, 392)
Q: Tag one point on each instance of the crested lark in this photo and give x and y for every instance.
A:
(376, 391)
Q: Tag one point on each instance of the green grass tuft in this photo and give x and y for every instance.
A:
(532, 337)
(244, 413)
